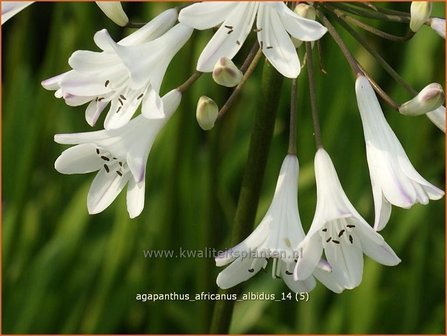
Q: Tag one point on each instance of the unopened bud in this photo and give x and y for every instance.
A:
(420, 13)
(430, 98)
(307, 12)
(114, 12)
(206, 113)
(438, 25)
(226, 73)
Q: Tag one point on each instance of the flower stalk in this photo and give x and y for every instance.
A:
(252, 181)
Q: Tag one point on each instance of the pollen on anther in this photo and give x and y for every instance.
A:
(328, 240)
(105, 158)
(251, 270)
(350, 226)
(140, 96)
(341, 233)
(106, 83)
(335, 241)
(97, 151)
(351, 239)
(106, 167)
(119, 173)
(324, 230)
(289, 273)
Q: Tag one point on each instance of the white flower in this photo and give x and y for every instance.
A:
(275, 237)
(394, 180)
(437, 117)
(339, 230)
(427, 100)
(11, 8)
(124, 74)
(274, 22)
(438, 25)
(119, 156)
(114, 11)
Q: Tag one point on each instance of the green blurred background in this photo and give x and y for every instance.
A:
(65, 271)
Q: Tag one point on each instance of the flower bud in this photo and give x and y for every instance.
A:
(114, 12)
(206, 113)
(307, 12)
(438, 25)
(420, 13)
(430, 98)
(226, 73)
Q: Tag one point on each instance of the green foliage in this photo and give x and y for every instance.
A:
(65, 271)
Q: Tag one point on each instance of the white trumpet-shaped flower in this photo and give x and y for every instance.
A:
(119, 156)
(394, 179)
(339, 230)
(11, 8)
(114, 11)
(124, 74)
(438, 25)
(274, 22)
(277, 235)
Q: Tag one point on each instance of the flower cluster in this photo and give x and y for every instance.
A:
(125, 77)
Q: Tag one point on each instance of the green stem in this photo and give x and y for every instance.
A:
(372, 14)
(261, 138)
(312, 94)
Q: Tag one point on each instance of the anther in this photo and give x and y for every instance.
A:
(351, 239)
(99, 99)
(328, 240)
(97, 151)
(324, 230)
(289, 273)
(251, 270)
(262, 44)
(238, 43)
(106, 83)
(120, 101)
(140, 96)
(269, 47)
(229, 27)
(106, 167)
(122, 97)
(105, 158)
(350, 226)
(120, 163)
(335, 241)
(119, 173)
(119, 109)
(341, 233)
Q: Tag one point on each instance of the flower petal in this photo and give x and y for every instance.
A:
(104, 189)
(152, 107)
(114, 11)
(347, 263)
(299, 27)
(93, 111)
(309, 251)
(375, 247)
(229, 38)
(206, 15)
(240, 270)
(277, 45)
(135, 198)
(79, 159)
(382, 208)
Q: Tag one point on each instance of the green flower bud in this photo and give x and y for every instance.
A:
(226, 73)
(430, 98)
(420, 13)
(206, 113)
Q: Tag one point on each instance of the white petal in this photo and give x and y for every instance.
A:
(238, 271)
(206, 15)
(114, 11)
(277, 45)
(379, 251)
(153, 29)
(53, 83)
(120, 114)
(137, 165)
(347, 263)
(298, 286)
(135, 198)
(152, 105)
(299, 27)
(329, 280)
(104, 189)
(225, 44)
(93, 111)
(79, 159)
(77, 84)
(382, 208)
(11, 8)
(78, 138)
(91, 61)
(309, 251)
